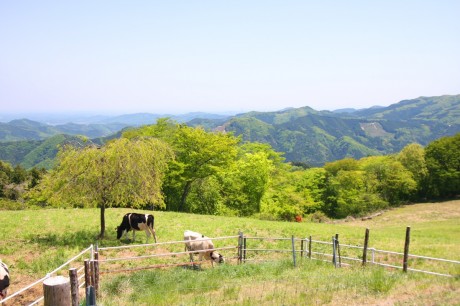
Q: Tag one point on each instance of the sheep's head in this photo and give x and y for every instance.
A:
(216, 257)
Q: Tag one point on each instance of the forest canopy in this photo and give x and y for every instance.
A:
(175, 167)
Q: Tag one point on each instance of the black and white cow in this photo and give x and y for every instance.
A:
(137, 222)
(4, 280)
(197, 242)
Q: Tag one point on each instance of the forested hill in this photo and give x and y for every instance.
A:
(445, 109)
(38, 153)
(315, 137)
(25, 129)
(303, 134)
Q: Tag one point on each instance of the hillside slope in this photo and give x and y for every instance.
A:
(38, 153)
(316, 137)
(25, 129)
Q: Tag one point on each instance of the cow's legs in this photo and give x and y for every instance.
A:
(147, 233)
(154, 234)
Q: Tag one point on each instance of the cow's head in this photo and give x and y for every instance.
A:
(216, 257)
(120, 231)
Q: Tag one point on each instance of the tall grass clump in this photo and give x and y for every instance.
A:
(381, 282)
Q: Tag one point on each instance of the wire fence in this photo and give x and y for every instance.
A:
(344, 254)
(239, 249)
(32, 295)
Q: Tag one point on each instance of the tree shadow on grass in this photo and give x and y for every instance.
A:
(81, 239)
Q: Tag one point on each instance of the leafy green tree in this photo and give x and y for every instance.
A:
(312, 184)
(412, 157)
(346, 164)
(443, 162)
(205, 197)
(198, 155)
(5, 176)
(284, 200)
(35, 176)
(123, 173)
(246, 181)
(276, 158)
(389, 178)
(19, 175)
(349, 186)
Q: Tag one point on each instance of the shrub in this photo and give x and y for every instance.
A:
(319, 217)
(7, 204)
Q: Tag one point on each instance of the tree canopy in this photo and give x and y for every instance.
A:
(123, 173)
(176, 167)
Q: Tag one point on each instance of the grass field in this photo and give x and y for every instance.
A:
(34, 242)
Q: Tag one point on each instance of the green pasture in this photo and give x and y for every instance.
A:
(34, 242)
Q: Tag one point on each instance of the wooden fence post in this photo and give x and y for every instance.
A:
(56, 291)
(96, 272)
(244, 249)
(73, 275)
(309, 247)
(406, 249)
(366, 242)
(293, 250)
(334, 259)
(302, 242)
(87, 276)
(240, 247)
(91, 274)
(338, 249)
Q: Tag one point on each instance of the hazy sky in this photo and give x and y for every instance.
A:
(217, 56)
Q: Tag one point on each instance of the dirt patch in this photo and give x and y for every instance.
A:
(27, 297)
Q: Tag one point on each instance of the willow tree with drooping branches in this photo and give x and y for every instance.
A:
(122, 173)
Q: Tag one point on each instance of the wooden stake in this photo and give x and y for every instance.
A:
(334, 259)
(96, 272)
(240, 247)
(338, 249)
(406, 249)
(309, 247)
(87, 275)
(73, 275)
(301, 247)
(244, 249)
(293, 249)
(366, 242)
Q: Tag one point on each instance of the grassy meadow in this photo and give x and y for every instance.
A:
(34, 242)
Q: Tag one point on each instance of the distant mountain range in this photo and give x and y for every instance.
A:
(315, 137)
(92, 127)
(303, 134)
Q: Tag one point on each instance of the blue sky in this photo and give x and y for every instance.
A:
(224, 56)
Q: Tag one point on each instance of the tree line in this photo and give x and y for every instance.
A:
(175, 167)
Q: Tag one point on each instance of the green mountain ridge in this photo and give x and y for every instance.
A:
(25, 129)
(303, 134)
(38, 153)
(314, 137)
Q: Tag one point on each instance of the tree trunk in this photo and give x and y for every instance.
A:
(187, 188)
(101, 236)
